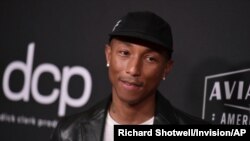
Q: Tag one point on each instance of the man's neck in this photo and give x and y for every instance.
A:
(126, 113)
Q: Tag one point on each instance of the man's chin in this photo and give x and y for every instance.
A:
(129, 100)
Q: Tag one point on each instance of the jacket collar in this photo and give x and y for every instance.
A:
(164, 112)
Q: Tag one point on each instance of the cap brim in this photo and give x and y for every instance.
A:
(141, 36)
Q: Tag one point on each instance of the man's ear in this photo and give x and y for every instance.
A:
(168, 67)
(108, 53)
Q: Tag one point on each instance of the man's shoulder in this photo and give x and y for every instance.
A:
(96, 112)
(173, 115)
(186, 118)
(71, 126)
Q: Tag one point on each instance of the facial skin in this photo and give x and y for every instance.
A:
(135, 71)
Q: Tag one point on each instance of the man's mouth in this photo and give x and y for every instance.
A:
(131, 83)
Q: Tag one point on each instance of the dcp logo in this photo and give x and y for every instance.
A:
(31, 80)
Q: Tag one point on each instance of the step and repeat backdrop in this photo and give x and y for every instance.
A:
(52, 61)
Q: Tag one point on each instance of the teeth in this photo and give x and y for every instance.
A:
(129, 84)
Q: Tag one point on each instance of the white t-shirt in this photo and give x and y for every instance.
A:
(109, 127)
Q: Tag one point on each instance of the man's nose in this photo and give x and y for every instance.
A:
(134, 67)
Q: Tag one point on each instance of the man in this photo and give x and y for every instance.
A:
(138, 58)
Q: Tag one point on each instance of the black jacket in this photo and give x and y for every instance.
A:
(89, 125)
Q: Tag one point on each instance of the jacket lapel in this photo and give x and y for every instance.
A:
(93, 129)
(164, 111)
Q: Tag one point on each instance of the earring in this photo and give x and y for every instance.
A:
(107, 65)
(163, 78)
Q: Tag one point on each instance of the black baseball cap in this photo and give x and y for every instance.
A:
(146, 26)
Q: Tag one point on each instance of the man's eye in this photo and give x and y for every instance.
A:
(151, 59)
(124, 53)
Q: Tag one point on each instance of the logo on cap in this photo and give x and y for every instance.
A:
(116, 25)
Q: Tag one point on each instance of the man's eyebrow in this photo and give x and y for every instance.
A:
(126, 42)
(150, 50)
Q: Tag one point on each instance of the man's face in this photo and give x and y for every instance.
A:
(135, 70)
